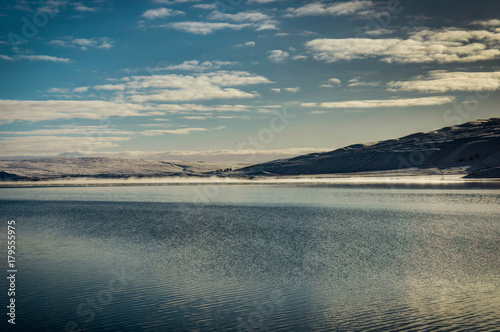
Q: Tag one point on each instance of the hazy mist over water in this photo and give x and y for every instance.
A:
(274, 257)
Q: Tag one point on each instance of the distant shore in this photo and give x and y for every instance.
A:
(382, 178)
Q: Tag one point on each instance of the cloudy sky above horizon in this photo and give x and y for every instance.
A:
(239, 80)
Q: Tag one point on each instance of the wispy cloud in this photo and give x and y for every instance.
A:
(110, 87)
(53, 145)
(42, 110)
(259, 2)
(355, 82)
(180, 131)
(334, 9)
(6, 57)
(250, 16)
(82, 8)
(160, 13)
(81, 89)
(203, 28)
(250, 43)
(493, 23)
(195, 65)
(83, 43)
(278, 56)
(444, 81)
(42, 58)
(215, 85)
(442, 46)
(424, 101)
(197, 108)
(172, 2)
(335, 81)
(69, 130)
(206, 6)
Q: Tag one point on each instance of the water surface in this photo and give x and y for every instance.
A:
(240, 257)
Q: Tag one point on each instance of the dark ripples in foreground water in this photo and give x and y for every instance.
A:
(258, 258)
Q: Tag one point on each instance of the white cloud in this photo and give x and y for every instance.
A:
(441, 46)
(195, 65)
(277, 90)
(214, 85)
(182, 131)
(70, 130)
(172, 2)
(152, 14)
(444, 81)
(81, 89)
(251, 16)
(42, 110)
(43, 58)
(233, 117)
(83, 43)
(6, 57)
(252, 2)
(487, 23)
(278, 56)
(58, 90)
(293, 90)
(53, 145)
(335, 81)
(110, 87)
(203, 28)
(355, 82)
(195, 117)
(378, 32)
(52, 6)
(82, 8)
(206, 6)
(250, 43)
(424, 101)
(194, 108)
(334, 9)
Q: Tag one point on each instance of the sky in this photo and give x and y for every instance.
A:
(239, 80)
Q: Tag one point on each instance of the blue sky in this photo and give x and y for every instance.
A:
(239, 80)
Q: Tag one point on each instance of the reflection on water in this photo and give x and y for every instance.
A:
(275, 258)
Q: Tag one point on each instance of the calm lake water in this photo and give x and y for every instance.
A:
(254, 258)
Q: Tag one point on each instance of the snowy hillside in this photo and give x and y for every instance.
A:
(465, 148)
(51, 168)
(472, 148)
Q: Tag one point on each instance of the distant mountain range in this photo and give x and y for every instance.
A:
(471, 149)
(99, 167)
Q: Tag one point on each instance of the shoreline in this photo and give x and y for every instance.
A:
(320, 179)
